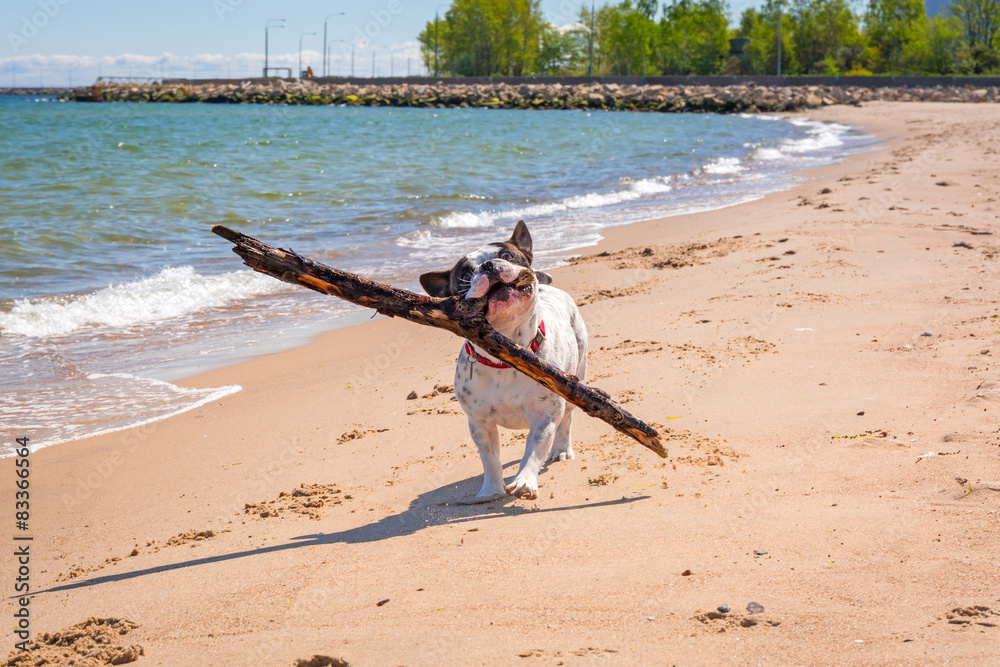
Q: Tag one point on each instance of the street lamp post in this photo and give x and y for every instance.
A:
(392, 53)
(300, 51)
(325, 50)
(267, 27)
(328, 50)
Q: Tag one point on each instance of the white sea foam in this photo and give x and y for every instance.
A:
(768, 154)
(173, 292)
(724, 165)
(465, 220)
(110, 402)
(487, 219)
(819, 136)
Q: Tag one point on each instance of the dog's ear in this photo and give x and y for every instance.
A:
(437, 283)
(522, 239)
(543, 278)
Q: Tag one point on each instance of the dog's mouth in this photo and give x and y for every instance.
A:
(500, 291)
(502, 296)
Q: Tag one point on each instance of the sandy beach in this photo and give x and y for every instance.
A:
(821, 363)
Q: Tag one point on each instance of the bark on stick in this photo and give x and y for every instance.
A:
(463, 318)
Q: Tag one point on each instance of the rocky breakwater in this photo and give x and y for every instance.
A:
(611, 96)
(33, 91)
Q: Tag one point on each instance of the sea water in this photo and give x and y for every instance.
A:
(113, 286)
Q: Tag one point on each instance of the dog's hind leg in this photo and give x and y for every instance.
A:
(562, 444)
(487, 439)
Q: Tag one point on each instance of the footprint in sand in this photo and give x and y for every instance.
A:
(973, 616)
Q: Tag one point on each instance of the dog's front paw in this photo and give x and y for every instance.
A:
(525, 488)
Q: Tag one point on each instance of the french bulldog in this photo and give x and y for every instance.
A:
(523, 306)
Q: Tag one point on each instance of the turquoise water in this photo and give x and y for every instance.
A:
(112, 284)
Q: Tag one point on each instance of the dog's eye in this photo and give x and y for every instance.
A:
(506, 255)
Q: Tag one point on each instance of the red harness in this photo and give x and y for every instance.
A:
(536, 343)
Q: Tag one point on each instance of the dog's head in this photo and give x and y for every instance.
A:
(500, 272)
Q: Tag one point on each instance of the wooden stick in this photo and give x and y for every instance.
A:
(461, 317)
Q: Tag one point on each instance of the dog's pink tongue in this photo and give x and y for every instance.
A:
(497, 305)
(503, 299)
(479, 287)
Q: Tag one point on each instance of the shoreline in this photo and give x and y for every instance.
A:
(748, 176)
(616, 237)
(782, 355)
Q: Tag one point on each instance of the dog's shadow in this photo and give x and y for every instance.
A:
(440, 506)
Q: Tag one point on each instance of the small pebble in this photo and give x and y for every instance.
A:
(686, 573)
(861, 414)
(755, 607)
(926, 334)
(759, 552)
(649, 618)
(412, 395)
(724, 608)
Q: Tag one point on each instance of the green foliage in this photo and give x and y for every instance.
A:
(486, 37)
(891, 25)
(825, 35)
(980, 25)
(933, 48)
(623, 39)
(980, 20)
(562, 52)
(510, 37)
(761, 28)
(694, 37)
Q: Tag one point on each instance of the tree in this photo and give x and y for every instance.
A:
(694, 37)
(623, 38)
(563, 52)
(934, 47)
(647, 8)
(980, 22)
(760, 27)
(825, 34)
(486, 37)
(890, 25)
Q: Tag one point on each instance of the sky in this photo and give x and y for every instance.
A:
(72, 42)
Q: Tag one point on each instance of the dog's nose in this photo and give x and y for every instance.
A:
(488, 266)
